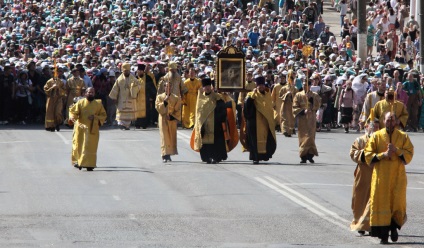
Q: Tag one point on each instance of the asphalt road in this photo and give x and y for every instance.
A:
(134, 200)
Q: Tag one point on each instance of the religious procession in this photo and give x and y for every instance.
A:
(232, 72)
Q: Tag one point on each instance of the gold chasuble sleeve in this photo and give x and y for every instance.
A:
(388, 185)
(382, 107)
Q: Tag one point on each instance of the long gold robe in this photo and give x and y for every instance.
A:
(190, 99)
(169, 115)
(265, 123)
(74, 88)
(249, 86)
(54, 104)
(141, 98)
(306, 123)
(85, 138)
(382, 107)
(370, 100)
(388, 184)
(177, 85)
(361, 186)
(276, 100)
(286, 110)
(125, 93)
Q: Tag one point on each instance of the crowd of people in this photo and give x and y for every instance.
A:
(152, 63)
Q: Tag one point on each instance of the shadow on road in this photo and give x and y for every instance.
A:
(122, 169)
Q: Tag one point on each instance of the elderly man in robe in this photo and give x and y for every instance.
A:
(75, 87)
(388, 150)
(390, 104)
(370, 100)
(87, 115)
(168, 106)
(305, 105)
(56, 92)
(176, 83)
(124, 92)
(260, 122)
(144, 96)
(208, 133)
(362, 179)
(286, 94)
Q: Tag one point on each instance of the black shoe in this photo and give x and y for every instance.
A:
(362, 233)
(127, 128)
(58, 128)
(76, 165)
(286, 134)
(346, 130)
(122, 127)
(52, 129)
(209, 161)
(255, 162)
(394, 234)
(294, 132)
(169, 158)
(164, 160)
(213, 161)
(137, 127)
(90, 169)
(384, 241)
(303, 161)
(311, 161)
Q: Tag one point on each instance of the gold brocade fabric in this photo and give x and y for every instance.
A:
(264, 118)
(388, 183)
(54, 104)
(205, 117)
(167, 127)
(276, 100)
(287, 93)
(141, 99)
(74, 87)
(125, 93)
(85, 138)
(242, 96)
(382, 107)
(190, 99)
(177, 85)
(361, 186)
(306, 123)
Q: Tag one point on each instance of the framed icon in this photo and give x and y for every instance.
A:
(231, 70)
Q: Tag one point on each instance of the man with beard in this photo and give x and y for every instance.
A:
(193, 85)
(362, 178)
(87, 115)
(388, 150)
(145, 95)
(124, 92)
(390, 104)
(55, 91)
(276, 100)
(260, 123)
(305, 105)
(286, 110)
(208, 132)
(371, 99)
(74, 88)
(168, 106)
(176, 83)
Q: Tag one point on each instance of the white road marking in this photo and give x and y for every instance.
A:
(132, 217)
(62, 137)
(102, 181)
(301, 203)
(420, 182)
(117, 198)
(294, 192)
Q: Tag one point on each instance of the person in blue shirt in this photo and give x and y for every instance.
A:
(254, 37)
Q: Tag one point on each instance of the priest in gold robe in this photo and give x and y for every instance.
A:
(168, 106)
(260, 122)
(249, 86)
(75, 87)
(87, 115)
(280, 81)
(208, 133)
(362, 178)
(55, 91)
(145, 96)
(286, 94)
(305, 105)
(124, 92)
(390, 104)
(193, 84)
(176, 83)
(388, 150)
